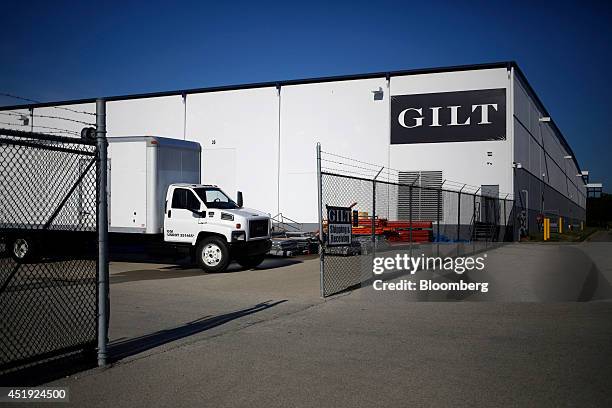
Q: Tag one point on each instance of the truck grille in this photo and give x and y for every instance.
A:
(258, 228)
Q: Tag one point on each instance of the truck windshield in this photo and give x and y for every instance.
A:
(215, 198)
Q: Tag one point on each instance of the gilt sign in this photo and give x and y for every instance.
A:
(464, 116)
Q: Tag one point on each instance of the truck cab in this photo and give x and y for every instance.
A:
(217, 228)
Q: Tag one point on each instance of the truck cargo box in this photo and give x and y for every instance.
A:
(140, 170)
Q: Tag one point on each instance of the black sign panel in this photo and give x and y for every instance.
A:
(338, 215)
(339, 226)
(463, 116)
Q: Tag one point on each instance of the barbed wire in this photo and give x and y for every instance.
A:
(359, 161)
(53, 129)
(11, 113)
(35, 101)
(72, 132)
(339, 168)
(15, 112)
(350, 165)
(340, 171)
(377, 167)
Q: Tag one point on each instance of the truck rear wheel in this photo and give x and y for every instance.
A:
(251, 261)
(212, 254)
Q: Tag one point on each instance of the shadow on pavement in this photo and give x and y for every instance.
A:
(147, 255)
(153, 274)
(595, 287)
(125, 348)
(51, 370)
(268, 263)
(187, 271)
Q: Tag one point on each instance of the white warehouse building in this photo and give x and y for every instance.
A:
(482, 125)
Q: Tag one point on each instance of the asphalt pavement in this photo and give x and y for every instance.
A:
(264, 337)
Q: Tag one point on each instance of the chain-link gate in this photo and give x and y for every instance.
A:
(48, 244)
(417, 213)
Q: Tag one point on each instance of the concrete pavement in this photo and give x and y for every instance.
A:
(601, 236)
(361, 348)
(154, 304)
(346, 352)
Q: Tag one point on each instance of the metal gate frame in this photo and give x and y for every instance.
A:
(37, 282)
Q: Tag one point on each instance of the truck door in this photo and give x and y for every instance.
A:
(181, 223)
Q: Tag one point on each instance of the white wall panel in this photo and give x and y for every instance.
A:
(465, 162)
(160, 116)
(220, 165)
(238, 131)
(449, 81)
(345, 118)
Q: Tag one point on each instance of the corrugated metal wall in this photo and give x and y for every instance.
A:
(547, 171)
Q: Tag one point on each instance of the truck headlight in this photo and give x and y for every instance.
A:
(238, 236)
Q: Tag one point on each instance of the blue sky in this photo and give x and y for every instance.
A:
(63, 50)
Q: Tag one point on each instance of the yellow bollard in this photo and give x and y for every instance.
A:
(560, 225)
(546, 226)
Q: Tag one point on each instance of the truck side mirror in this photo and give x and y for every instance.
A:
(239, 199)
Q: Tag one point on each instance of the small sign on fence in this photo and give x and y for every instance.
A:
(340, 227)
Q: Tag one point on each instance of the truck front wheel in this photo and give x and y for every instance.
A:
(250, 261)
(212, 254)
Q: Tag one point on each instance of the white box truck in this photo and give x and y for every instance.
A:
(154, 189)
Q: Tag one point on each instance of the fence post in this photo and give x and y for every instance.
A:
(458, 218)
(102, 218)
(410, 216)
(474, 208)
(505, 221)
(438, 227)
(373, 217)
(473, 232)
(320, 206)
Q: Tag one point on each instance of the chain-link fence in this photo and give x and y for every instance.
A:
(48, 244)
(391, 212)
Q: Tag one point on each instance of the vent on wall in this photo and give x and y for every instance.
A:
(424, 201)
